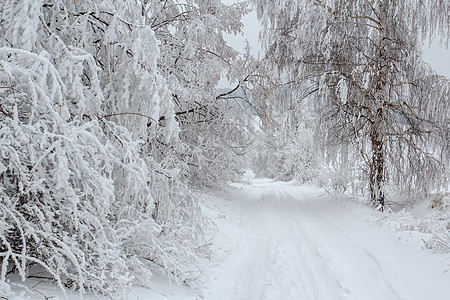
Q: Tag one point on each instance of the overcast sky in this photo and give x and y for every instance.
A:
(250, 33)
(438, 57)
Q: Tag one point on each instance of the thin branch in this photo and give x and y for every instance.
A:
(132, 114)
(367, 18)
(229, 92)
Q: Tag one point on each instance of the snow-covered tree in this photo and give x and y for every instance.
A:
(373, 92)
(194, 55)
(285, 148)
(80, 195)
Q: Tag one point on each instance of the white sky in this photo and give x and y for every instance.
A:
(438, 57)
(250, 33)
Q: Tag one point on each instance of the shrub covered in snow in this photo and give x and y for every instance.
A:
(432, 217)
(80, 195)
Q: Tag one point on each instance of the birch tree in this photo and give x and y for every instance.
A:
(373, 92)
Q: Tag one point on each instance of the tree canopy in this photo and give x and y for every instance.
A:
(361, 61)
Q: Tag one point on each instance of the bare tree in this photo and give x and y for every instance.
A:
(374, 93)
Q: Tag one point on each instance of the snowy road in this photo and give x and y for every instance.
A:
(280, 241)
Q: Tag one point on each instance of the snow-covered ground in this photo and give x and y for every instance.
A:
(276, 240)
(281, 241)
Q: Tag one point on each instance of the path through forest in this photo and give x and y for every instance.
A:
(276, 241)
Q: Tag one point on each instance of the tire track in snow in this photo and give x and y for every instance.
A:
(312, 279)
(285, 245)
(360, 272)
(274, 260)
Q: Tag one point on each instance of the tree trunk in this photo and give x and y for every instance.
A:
(377, 172)
(376, 180)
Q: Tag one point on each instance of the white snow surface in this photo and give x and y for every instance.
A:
(276, 240)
